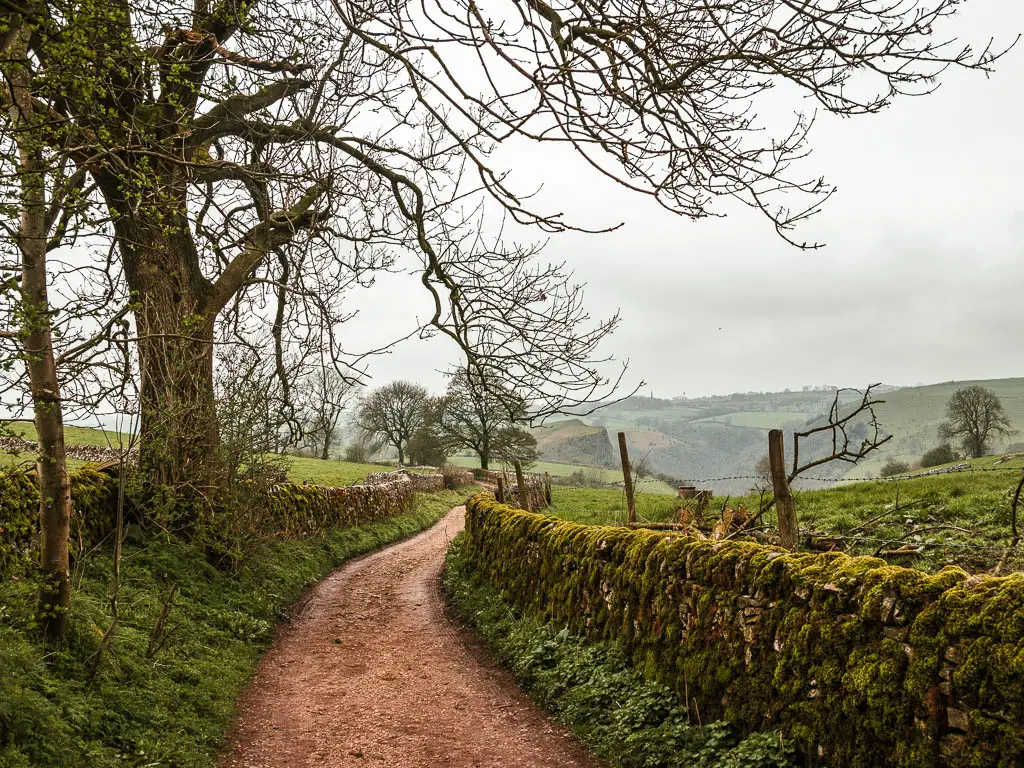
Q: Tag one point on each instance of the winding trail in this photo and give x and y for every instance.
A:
(371, 672)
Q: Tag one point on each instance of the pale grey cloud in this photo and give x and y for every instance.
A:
(920, 281)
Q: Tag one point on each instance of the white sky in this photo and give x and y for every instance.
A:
(921, 281)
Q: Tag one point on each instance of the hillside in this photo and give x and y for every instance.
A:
(724, 436)
(913, 416)
(573, 442)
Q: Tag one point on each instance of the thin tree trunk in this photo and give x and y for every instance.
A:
(37, 341)
(485, 460)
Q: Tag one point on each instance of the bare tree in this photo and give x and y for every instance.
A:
(975, 416)
(254, 159)
(486, 418)
(394, 413)
(327, 396)
(834, 437)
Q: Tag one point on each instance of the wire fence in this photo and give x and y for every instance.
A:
(960, 469)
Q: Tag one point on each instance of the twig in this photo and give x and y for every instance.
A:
(161, 620)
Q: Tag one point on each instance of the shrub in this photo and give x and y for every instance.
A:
(894, 467)
(942, 454)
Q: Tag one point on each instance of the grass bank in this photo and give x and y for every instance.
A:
(961, 519)
(605, 506)
(159, 698)
(591, 688)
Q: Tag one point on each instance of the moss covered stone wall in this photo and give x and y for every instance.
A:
(93, 507)
(860, 662)
(290, 510)
(300, 510)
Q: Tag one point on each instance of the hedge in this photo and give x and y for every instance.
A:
(859, 662)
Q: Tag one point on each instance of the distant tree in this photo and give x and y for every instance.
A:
(513, 443)
(393, 414)
(483, 417)
(975, 416)
(326, 395)
(941, 454)
(763, 471)
(894, 467)
(427, 445)
(361, 449)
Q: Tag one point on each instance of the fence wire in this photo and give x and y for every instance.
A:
(965, 469)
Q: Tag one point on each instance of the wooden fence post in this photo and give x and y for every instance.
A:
(627, 477)
(547, 488)
(524, 493)
(783, 496)
(501, 491)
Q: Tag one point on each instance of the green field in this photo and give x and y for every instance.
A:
(607, 506)
(960, 519)
(73, 435)
(316, 471)
(555, 469)
(329, 472)
(913, 416)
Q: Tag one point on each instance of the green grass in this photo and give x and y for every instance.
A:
(73, 435)
(27, 461)
(962, 519)
(592, 689)
(329, 472)
(556, 469)
(171, 709)
(317, 471)
(958, 519)
(603, 506)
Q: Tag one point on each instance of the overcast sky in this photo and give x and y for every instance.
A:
(922, 280)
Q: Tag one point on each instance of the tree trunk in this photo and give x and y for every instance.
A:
(325, 454)
(37, 342)
(178, 426)
(485, 459)
(401, 455)
(179, 435)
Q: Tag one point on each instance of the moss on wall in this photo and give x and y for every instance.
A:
(290, 511)
(860, 662)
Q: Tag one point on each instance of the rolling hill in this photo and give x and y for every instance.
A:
(720, 437)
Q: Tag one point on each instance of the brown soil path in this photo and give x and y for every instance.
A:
(372, 673)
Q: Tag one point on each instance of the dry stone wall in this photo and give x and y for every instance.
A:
(291, 510)
(861, 663)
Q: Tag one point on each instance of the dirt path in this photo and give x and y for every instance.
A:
(372, 673)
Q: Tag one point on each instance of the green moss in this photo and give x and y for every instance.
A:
(849, 655)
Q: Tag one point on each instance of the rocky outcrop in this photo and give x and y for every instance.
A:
(577, 443)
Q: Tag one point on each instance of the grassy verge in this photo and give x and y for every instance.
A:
(591, 688)
(557, 469)
(162, 700)
(958, 519)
